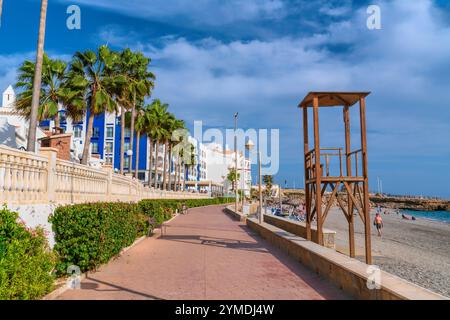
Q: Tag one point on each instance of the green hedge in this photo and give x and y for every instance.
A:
(26, 262)
(89, 235)
(161, 210)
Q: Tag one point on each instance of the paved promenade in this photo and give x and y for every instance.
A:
(204, 255)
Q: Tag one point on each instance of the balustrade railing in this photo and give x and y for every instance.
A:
(23, 176)
(29, 178)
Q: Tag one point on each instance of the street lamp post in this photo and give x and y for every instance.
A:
(281, 199)
(261, 214)
(235, 162)
(243, 185)
(250, 145)
(130, 164)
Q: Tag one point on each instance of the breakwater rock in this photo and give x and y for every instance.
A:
(416, 204)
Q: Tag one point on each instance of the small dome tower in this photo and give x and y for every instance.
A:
(9, 97)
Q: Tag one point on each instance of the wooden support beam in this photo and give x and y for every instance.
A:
(360, 211)
(307, 165)
(348, 164)
(330, 202)
(318, 171)
(339, 200)
(324, 188)
(362, 108)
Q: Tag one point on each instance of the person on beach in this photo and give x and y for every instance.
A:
(378, 222)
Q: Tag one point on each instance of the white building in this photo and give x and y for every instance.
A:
(13, 127)
(219, 161)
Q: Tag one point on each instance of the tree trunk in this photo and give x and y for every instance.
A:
(31, 141)
(57, 121)
(170, 167)
(166, 151)
(186, 173)
(133, 115)
(179, 175)
(136, 171)
(122, 138)
(1, 5)
(87, 141)
(156, 164)
(150, 163)
(175, 177)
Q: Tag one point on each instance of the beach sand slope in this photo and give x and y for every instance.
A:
(418, 251)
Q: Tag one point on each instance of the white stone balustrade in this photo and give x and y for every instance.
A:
(29, 178)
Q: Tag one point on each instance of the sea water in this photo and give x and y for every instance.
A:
(442, 216)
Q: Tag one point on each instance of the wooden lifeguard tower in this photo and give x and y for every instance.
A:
(350, 187)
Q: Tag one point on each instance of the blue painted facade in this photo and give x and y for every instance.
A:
(106, 139)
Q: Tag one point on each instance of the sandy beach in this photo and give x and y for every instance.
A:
(418, 251)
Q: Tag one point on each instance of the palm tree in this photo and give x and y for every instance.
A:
(139, 83)
(168, 124)
(193, 159)
(31, 143)
(233, 176)
(1, 5)
(151, 121)
(268, 182)
(176, 125)
(54, 91)
(93, 73)
(160, 115)
(140, 126)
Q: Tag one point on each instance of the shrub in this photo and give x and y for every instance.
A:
(89, 235)
(161, 209)
(26, 262)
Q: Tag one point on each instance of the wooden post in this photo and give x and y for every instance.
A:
(261, 213)
(307, 195)
(351, 228)
(318, 181)
(362, 104)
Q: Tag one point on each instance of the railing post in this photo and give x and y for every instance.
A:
(109, 179)
(51, 186)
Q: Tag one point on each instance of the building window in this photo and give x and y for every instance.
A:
(127, 132)
(95, 132)
(94, 147)
(109, 147)
(62, 117)
(77, 130)
(109, 132)
(109, 159)
(126, 147)
(126, 162)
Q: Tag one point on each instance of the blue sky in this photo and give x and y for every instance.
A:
(260, 57)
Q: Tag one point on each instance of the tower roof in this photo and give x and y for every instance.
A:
(333, 99)
(9, 90)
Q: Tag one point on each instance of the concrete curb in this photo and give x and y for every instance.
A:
(350, 275)
(235, 215)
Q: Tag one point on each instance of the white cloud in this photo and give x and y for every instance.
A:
(8, 71)
(405, 65)
(199, 12)
(265, 79)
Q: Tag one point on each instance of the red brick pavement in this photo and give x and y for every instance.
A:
(205, 255)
